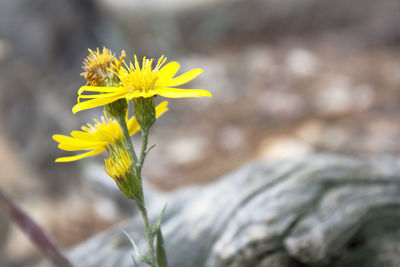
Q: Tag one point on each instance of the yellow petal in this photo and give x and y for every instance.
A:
(149, 93)
(72, 144)
(166, 73)
(178, 93)
(97, 89)
(70, 140)
(72, 147)
(95, 103)
(161, 108)
(106, 95)
(66, 147)
(137, 93)
(82, 135)
(182, 79)
(119, 94)
(80, 156)
(133, 126)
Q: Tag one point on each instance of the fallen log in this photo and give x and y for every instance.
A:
(322, 210)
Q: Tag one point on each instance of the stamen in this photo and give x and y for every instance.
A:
(136, 77)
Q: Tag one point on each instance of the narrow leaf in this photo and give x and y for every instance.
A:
(139, 254)
(134, 261)
(160, 250)
(157, 224)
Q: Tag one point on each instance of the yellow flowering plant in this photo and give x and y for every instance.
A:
(114, 84)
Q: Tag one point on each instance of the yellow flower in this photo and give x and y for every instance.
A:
(98, 137)
(118, 166)
(145, 81)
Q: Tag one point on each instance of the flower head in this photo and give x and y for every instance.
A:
(95, 139)
(98, 65)
(120, 168)
(141, 81)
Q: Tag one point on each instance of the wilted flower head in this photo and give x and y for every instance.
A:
(97, 66)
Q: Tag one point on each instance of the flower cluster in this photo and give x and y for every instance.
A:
(114, 84)
(135, 82)
(110, 80)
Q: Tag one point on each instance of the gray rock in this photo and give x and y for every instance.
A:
(323, 210)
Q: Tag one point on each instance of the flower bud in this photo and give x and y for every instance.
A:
(119, 167)
(145, 112)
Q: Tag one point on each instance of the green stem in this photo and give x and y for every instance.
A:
(122, 123)
(143, 211)
(148, 234)
(140, 203)
(145, 134)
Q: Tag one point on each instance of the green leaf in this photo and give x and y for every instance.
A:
(156, 226)
(160, 250)
(145, 259)
(134, 262)
(139, 254)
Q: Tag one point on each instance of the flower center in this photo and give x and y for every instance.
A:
(139, 78)
(108, 130)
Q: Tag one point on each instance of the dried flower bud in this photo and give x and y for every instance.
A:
(98, 66)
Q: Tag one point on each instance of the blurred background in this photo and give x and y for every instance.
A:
(288, 78)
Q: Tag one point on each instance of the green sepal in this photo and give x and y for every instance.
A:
(145, 112)
(117, 109)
